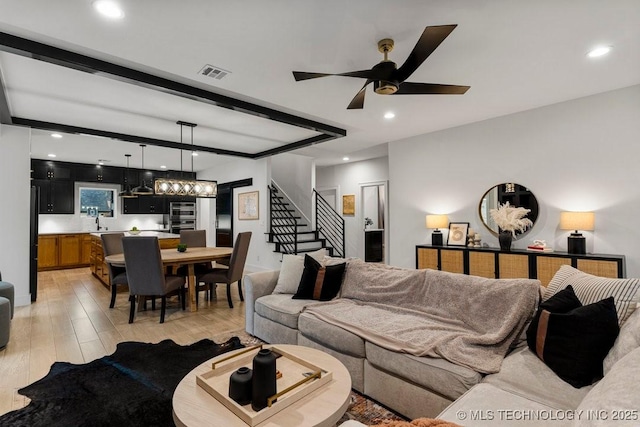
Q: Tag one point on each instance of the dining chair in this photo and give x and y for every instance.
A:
(112, 245)
(231, 274)
(194, 239)
(145, 273)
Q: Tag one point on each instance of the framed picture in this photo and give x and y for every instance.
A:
(349, 204)
(458, 233)
(248, 205)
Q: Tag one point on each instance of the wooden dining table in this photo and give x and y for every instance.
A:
(191, 257)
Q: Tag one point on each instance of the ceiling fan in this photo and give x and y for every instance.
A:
(388, 79)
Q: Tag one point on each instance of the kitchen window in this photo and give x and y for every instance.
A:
(97, 201)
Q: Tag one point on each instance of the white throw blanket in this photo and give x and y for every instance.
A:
(467, 320)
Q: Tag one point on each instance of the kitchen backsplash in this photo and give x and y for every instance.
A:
(76, 223)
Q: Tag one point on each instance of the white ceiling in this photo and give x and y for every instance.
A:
(515, 54)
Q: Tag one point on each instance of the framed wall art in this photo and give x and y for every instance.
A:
(349, 204)
(248, 205)
(458, 233)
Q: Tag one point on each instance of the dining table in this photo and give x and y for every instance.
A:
(190, 257)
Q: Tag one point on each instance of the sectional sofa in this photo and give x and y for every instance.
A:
(381, 328)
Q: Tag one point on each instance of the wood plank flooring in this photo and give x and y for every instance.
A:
(71, 321)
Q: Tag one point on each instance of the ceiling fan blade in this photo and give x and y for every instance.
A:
(357, 102)
(429, 40)
(365, 74)
(408, 88)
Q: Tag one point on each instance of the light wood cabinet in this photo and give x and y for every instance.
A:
(493, 263)
(58, 251)
(168, 243)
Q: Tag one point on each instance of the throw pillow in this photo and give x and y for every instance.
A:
(590, 289)
(291, 271)
(573, 339)
(628, 340)
(320, 282)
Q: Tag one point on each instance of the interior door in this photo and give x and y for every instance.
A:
(224, 219)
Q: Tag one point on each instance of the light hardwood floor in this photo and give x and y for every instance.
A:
(71, 321)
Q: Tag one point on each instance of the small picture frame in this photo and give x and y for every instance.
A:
(458, 234)
(248, 206)
(349, 204)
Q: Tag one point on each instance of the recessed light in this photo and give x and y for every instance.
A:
(599, 51)
(101, 163)
(163, 167)
(345, 158)
(56, 135)
(389, 115)
(109, 8)
(194, 154)
(51, 155)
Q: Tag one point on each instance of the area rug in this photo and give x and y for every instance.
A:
(134, 387)
(131, 387)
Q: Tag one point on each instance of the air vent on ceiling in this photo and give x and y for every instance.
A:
(213, 72)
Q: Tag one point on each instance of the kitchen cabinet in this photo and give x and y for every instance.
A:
(146, 205)
(98, 173)
(494, 263)
(56, 197)
(58, 251)
(46, 169)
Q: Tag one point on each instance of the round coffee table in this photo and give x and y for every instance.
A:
(194, 407)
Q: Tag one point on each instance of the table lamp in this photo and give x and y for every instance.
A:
(576, 243)
(436, 222)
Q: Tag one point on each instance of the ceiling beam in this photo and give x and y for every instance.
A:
(57, 127)
(65, 58)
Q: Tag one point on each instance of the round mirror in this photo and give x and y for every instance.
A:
(517, 195)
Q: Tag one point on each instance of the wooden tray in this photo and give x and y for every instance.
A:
(294, 384)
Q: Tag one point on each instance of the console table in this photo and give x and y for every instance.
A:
(517, 263)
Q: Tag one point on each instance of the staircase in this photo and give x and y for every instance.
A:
(290, 232)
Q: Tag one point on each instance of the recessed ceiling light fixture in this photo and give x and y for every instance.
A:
(109, 8)
(163, 166)
(389, 115)
(194, 154)
(345, 158)
(51, 155)
(599, 51)
(56, 135)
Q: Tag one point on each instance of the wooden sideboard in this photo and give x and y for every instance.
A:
(494, 263)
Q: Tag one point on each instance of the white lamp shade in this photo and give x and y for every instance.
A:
(577, 220)
(437, 221)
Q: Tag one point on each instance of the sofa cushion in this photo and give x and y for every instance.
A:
(319, 282)
(627, 341)
(617, 396)
(590, 289)
(573, 339)
(524, 374)
(439, 375)
(488, 406)
(291, 271)
(280, 308)
(331, 336)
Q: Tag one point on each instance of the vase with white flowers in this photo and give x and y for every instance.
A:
(510, 219)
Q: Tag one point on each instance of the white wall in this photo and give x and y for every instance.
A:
(294, 175)
(348, 177)
(261, 255)
(15, 166)
(578, 155)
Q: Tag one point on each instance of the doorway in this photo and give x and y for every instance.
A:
(373, 196)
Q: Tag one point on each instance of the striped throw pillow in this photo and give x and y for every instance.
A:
(590, 289)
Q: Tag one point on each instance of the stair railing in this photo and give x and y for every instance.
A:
(283, 226)
(329, 224)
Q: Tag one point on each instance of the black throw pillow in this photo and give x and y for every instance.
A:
(573, 339)
(319, 282)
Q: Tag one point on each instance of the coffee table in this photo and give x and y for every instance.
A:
(194, 407)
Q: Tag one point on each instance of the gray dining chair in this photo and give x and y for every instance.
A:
(228, 275)
(112, 245)
(194, 239)
(145, 273)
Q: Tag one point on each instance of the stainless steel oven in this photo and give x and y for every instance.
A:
(182, 216)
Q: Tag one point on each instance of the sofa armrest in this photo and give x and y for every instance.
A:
(257, 285)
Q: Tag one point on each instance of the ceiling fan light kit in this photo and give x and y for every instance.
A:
(388, 79)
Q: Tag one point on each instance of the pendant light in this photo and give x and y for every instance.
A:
(186, 187)
(127, 193)
(143, 190)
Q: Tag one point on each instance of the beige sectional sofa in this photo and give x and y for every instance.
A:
(523, 391)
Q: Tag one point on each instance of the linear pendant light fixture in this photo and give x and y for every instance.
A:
(127, 193)
(143, 190)
(186, 187)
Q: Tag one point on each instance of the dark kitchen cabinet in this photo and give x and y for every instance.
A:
(98, 173)
(56, 196)
(145, 205)
(44, 169)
